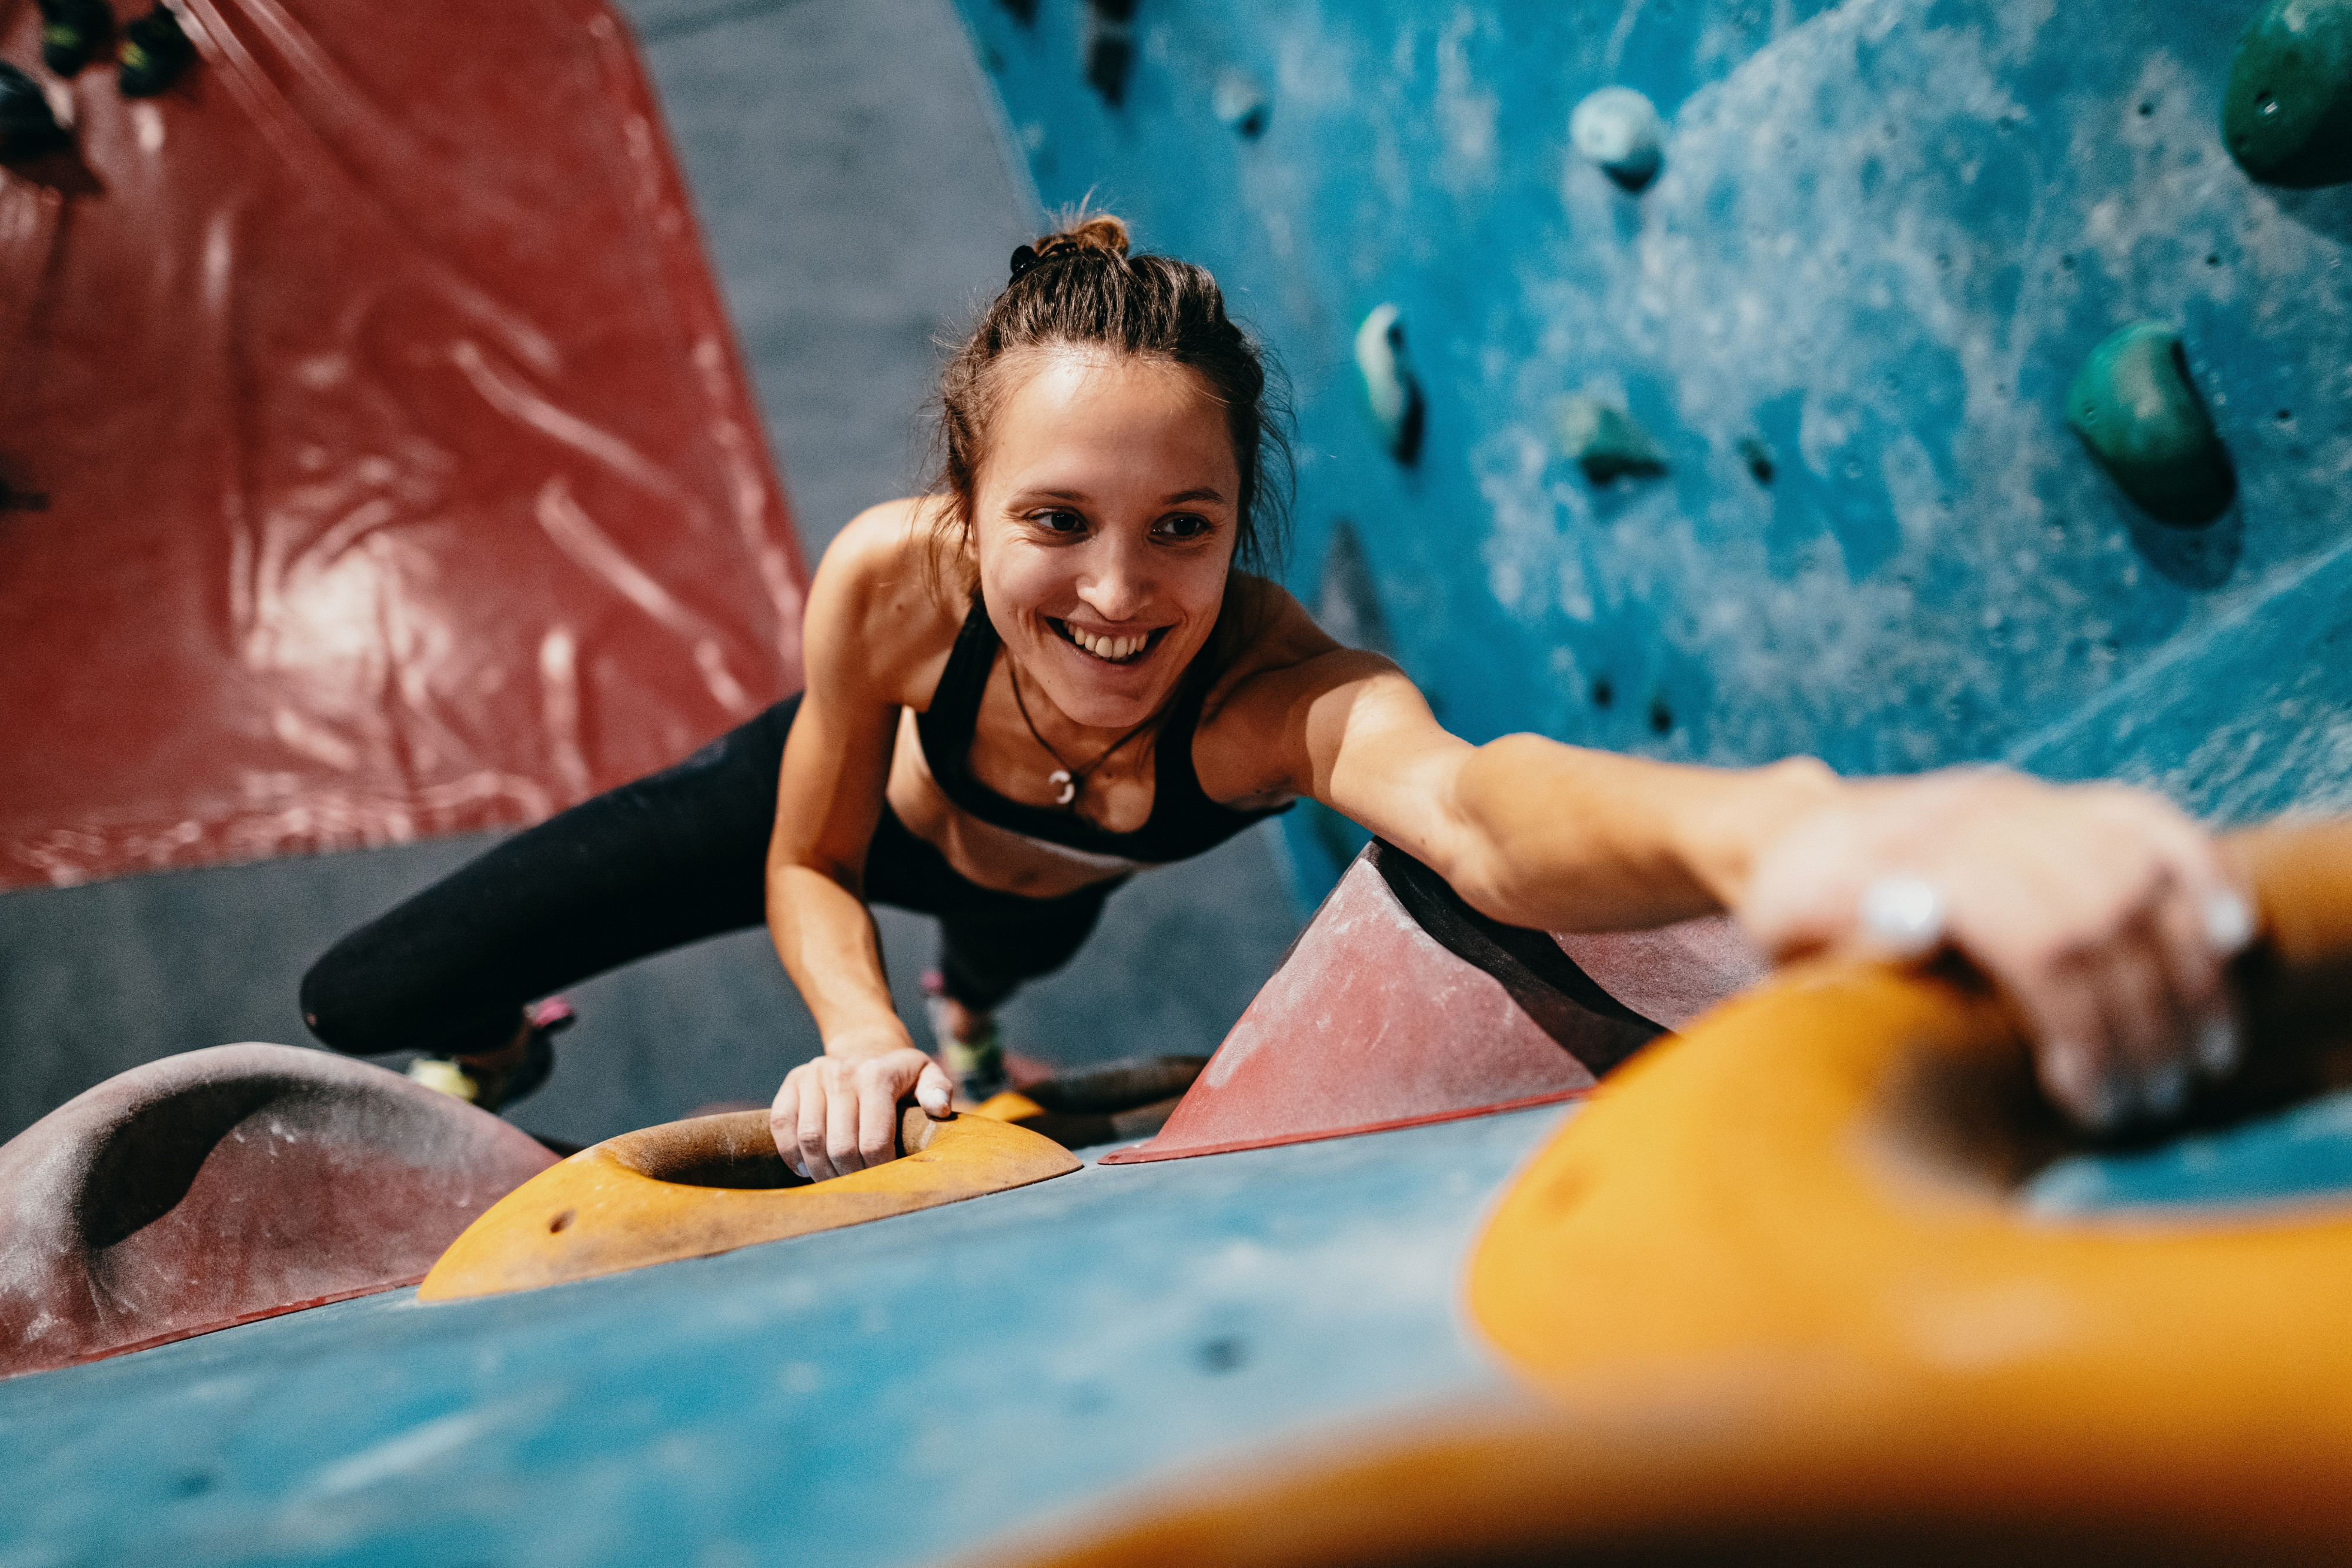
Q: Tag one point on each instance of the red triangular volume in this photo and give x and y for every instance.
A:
(1399, 1004)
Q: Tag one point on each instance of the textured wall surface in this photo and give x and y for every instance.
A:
(1885, 236)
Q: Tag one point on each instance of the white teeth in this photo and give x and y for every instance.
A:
(1112, 649)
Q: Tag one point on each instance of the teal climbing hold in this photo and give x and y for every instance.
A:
(2140, 416)
(1391, 392)
(1605, 441)
(2287, 114)
(1619, 129)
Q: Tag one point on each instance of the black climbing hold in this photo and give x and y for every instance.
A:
(2287, 113)
(1391, 392)
(1110, 47)
(1759, 458)
(26, 126)
(72, 33)
(1605, 441)
(1661, 717)
(2140, 416)
(1109, 59)
(1023, 11)
(1603, 693)
(155, 52)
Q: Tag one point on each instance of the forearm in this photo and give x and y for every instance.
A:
(825, 937)
(1565, 839)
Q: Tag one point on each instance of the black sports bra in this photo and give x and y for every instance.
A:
(1183, 823)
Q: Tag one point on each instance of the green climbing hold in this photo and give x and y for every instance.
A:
(1605, 441)
(2287, 114)
(2140, 416)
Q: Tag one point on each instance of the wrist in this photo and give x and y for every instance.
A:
(1727, 841)
(860, 1042)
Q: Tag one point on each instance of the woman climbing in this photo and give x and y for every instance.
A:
(1061, 667)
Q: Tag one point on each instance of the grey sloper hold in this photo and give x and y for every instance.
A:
(1605, 441)
(2287, 113)
(1346, 601)
(2140, 416)
(1620, 130)
(1391, 392)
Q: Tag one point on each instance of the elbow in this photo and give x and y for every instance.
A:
(1479, 862)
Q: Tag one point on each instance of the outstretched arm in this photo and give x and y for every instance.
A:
(839, 1113)
(2105, 913)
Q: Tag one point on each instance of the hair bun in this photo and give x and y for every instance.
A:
(1098, 231)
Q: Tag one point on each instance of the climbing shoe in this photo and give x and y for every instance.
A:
(977, 1066)
(493, 1089)
(72, 33)
(26, 126)
(155, 52)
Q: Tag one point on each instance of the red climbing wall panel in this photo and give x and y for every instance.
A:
(377, 458)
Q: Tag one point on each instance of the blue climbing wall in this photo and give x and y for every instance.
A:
(1885, 236)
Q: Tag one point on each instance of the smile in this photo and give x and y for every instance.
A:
(1109, 650)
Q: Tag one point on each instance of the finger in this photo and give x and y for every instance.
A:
(2148, 1039)
(2194, 962)
(816, 1106)
(784, 1126)
(841, 1126)
(935, 1092)
(878, 1116)
(2204, 920)
(2067, 1034)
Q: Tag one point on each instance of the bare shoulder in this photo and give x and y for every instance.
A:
(879, 614)
(1277, 653)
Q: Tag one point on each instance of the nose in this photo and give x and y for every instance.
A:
(1118, 584)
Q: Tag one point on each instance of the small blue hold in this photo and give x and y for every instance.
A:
(1605, 441)
(1240, 102)
(1620, 130)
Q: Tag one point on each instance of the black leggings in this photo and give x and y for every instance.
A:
(668, 859)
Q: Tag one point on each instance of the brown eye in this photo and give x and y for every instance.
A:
(1061, 522)
(1184, 526)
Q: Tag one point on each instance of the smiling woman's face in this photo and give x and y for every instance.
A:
(1104, 518)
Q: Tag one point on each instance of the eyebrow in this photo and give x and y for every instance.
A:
(1199, 493)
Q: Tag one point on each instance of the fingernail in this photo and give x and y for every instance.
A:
(2097, 1099)
(2165, 1089)
(2217, 1046)
(2228, 923)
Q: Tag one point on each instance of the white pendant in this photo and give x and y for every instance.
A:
(1070, 785)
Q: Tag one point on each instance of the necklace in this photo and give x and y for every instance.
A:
(1071, 779)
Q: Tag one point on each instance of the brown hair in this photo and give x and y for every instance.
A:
(1079, 288)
